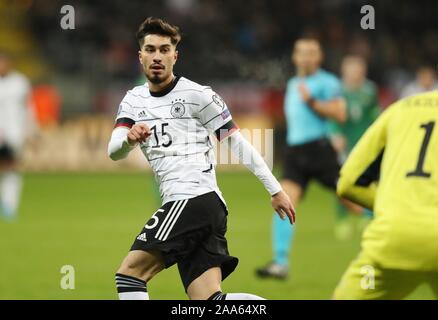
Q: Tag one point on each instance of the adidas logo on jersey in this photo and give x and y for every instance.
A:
(142, 114)
(142, 237)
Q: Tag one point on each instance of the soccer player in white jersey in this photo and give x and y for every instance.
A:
(171, 119)
(14, 117)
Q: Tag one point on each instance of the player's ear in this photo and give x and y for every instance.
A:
(175, 58)
(139, 57)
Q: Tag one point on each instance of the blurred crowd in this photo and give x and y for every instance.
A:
(236, 47)
(232, 41)
(243, 49)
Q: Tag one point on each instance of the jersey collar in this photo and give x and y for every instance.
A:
(166, 90)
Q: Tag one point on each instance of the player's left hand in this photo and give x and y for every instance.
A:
(283, 206)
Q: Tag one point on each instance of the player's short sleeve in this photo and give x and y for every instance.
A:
(214, 114)
(125, 114)
(332, 88)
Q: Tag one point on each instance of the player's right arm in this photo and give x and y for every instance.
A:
(126, 133)
(123, 140)
(361, 171)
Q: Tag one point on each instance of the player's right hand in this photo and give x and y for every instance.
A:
(283, 206)
(138, 133)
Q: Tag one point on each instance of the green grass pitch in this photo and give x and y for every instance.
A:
(89, 221)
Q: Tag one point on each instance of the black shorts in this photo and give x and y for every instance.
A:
(190, 233)
(6, 153)
(314, 160)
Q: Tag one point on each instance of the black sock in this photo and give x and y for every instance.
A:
(129, 284)
(217, 296)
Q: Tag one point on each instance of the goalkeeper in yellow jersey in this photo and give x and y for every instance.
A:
(393, 170)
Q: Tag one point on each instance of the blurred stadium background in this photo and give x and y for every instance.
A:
(79, 208)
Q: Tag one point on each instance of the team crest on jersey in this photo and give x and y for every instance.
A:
(178, 109)
(219, 101)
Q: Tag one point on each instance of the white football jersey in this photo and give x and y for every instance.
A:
(180, 151)
(14, 92)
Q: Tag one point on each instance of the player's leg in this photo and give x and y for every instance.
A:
(135, 272)
(282, 237)
(10, 183)
(344, 228)
(11, 186)
(326, 171)
(432, 280)
(150, 253)
(283, 230)
(208, 287)
(344, 225)
(209, 263)
(294, 183)
(366, 280)
(205, 285)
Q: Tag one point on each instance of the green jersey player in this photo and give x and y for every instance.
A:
(360, 95)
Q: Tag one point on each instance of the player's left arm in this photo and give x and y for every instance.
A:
(361, 171)
(251, 158)
(216, 117)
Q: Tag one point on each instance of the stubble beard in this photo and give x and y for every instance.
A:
(155, 79)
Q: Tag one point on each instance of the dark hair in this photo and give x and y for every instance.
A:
(308, 38)
(158, 26)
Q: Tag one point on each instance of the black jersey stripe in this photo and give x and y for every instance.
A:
(175, 155)
(125, 102)
(209, 169)
(187, 182)
(211, 119)
(161, 106)
(176, 180)
(227, 129)
(124, 122)
(182, 118)
(172, 179)
(171, 104)
(145, 146)
(206, 106)
(139, 95)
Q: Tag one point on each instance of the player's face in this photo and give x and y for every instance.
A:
(353, 72)
(426, 78)
(158, 56)
(307, 56)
